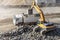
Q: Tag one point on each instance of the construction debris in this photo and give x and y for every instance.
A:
(30, 35)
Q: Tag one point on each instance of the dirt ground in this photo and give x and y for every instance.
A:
(7, 25)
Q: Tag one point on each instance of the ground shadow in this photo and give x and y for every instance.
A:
(55, 32)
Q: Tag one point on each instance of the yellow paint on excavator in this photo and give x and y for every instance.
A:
(43, 26)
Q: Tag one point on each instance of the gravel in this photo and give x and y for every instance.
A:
(30, 35)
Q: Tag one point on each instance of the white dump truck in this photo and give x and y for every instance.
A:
(21, 19)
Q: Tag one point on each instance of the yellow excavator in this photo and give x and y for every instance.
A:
(42, 24)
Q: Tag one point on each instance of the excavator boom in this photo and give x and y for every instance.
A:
(38, 9)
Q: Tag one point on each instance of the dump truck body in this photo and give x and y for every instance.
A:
(25, 19)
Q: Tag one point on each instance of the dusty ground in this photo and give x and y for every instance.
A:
(10, 32)
(6, 25)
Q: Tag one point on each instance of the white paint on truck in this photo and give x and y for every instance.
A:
(17, 19)
(25, 18)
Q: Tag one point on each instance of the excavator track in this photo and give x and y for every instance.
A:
(42, 30)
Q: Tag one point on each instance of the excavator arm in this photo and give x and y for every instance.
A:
(38, 9)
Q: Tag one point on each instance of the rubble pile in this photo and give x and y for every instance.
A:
(26, 33)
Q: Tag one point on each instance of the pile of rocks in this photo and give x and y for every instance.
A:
(30, 35)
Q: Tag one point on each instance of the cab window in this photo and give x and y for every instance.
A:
(36, 15)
